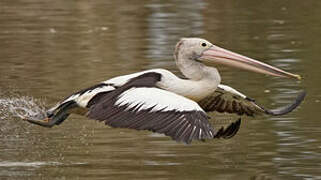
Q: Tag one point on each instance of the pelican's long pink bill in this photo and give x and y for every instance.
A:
(219, 55)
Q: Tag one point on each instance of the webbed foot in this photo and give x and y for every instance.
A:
(47, 122)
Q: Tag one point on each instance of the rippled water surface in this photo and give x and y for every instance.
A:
(49, 49)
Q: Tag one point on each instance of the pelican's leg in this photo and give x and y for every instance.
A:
(54, 118)
(47, 122)
(50, 121)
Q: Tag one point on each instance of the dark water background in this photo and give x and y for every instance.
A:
(49, 49)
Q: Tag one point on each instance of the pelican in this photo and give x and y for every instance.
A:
(159, 101)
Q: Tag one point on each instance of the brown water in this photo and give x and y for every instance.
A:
(49, 49)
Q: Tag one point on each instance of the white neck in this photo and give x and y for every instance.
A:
(202, 80)
(194, 70)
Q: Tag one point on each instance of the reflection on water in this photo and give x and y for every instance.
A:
(27, 164)
(163, 28)
(49, 50)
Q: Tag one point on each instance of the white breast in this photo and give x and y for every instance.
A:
(195, 90)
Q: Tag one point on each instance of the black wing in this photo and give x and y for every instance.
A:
(227, 99)
(140, 105)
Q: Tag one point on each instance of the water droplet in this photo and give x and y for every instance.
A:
(104, 28)
(52, 30)
(22, 107)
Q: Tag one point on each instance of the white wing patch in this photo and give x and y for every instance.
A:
(231, 90)
(72, 97)
(83, 99)
(157, 99)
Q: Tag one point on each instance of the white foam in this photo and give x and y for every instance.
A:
(21, 107)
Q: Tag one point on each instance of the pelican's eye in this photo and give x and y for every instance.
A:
(204, 44)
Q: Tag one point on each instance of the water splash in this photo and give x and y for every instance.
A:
(22, 107)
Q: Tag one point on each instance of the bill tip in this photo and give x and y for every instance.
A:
(298, 77)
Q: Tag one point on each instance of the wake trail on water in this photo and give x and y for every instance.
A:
(23, 107)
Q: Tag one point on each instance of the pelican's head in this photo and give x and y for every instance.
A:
(201, 50)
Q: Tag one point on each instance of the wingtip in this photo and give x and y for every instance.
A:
(290, 107)
(230, 131)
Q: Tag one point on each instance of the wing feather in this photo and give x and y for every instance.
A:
(140, 105)
(171, 120)
(229, 131)
(227, 99)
